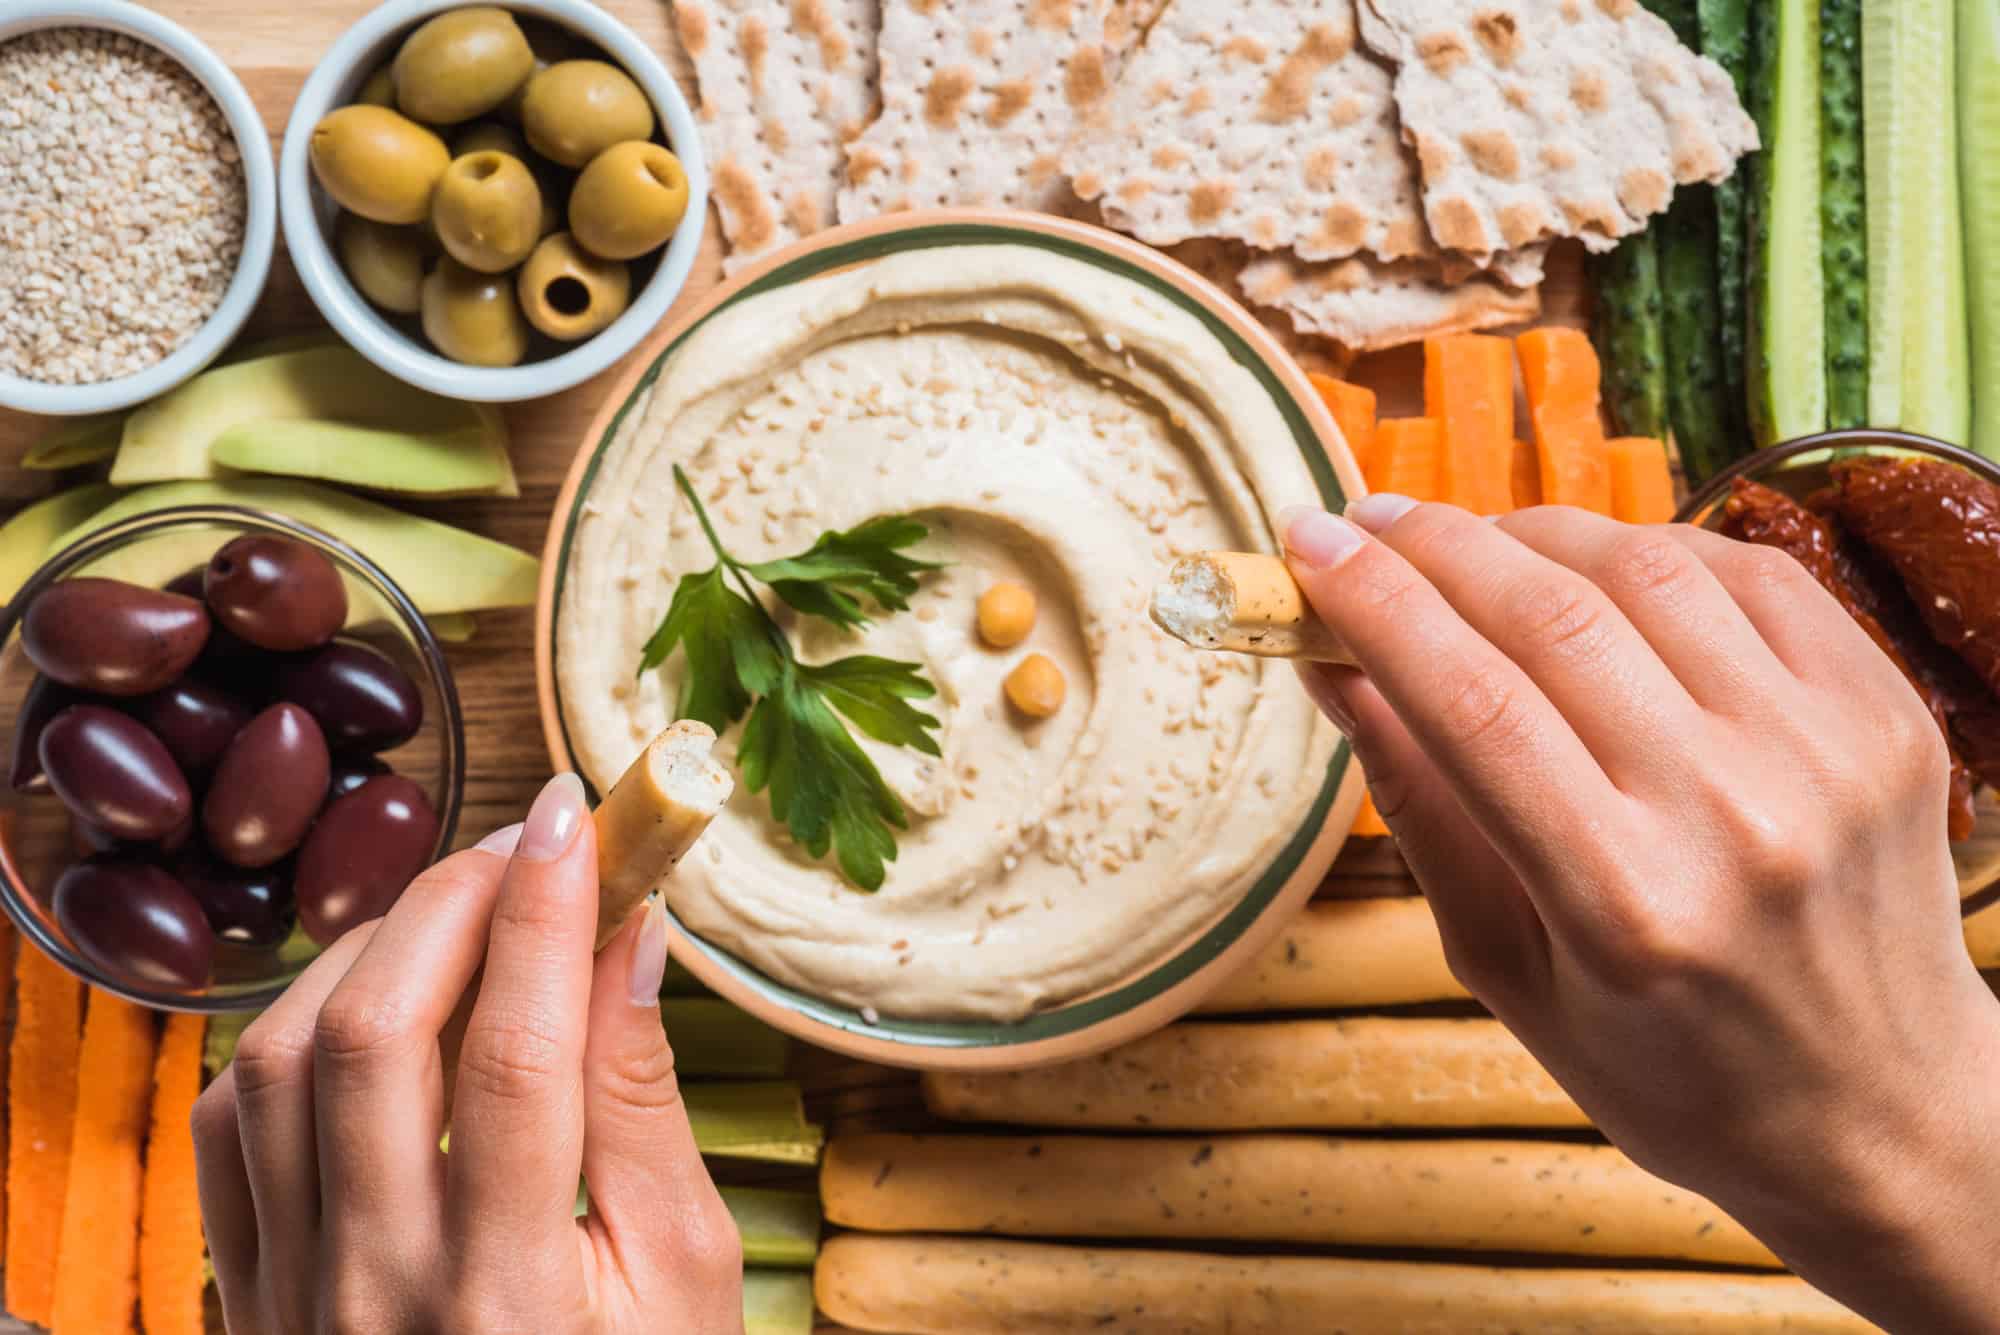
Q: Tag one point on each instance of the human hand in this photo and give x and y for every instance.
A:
(1683, 828)
(327, 1203)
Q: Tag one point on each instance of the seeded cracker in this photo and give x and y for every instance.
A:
(784, 86)
(1550, 119)
(977, 97)
(1267, 123)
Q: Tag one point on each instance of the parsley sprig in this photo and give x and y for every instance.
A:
(822, 784)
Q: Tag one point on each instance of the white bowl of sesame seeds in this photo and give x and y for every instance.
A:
(138, 206)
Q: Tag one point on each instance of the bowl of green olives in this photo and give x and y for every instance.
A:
(492, 203)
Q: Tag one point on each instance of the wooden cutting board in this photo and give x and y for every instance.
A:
(273, 48)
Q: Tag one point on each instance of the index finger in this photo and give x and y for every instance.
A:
(517, 1116)
(1521, 771)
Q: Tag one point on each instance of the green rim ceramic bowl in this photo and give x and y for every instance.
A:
(1170, 986)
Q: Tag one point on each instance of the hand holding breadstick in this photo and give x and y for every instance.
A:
(652, 817)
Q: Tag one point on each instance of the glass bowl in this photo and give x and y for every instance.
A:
(1798, 468)
(36, 840)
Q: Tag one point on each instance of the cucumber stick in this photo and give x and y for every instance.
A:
(1918, 371)
(1725, 39)
(1630, 341)
(1694, 374)
(1979, 189)
(1787, 391)
(1843, 214)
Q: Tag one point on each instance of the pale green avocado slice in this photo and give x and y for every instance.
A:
(470, 461)
(172, 438)
(440, 568)
(25, 539)
(83, 440)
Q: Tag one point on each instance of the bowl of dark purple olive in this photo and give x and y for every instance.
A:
(234, 739)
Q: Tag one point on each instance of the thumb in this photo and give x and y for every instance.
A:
(649, 1190)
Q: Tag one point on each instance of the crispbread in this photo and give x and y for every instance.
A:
(783, 87)
(1365, 304)
(1266, 123)
(1563, 118)
(977, 96)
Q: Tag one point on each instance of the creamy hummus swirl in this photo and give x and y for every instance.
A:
(1055, 424)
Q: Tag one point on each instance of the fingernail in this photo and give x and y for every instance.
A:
(649, 955)
(501, 841)
(553, 820)
(1316, 538)
(1377, 512)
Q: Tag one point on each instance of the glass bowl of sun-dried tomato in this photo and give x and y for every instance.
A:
(1905, 532)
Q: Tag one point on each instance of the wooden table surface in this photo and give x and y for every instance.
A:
(272, 44)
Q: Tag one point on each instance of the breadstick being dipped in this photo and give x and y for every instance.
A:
(1245, 603)
(652, 817)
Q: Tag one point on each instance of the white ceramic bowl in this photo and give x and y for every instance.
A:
(309, 214)
(253, 148)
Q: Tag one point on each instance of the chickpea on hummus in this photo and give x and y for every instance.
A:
(1058, 427)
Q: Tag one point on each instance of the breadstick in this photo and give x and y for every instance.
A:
(1541, 1196)
(652, 816)
(1318, 1075)
(1346, 954)
(1245, 603)
(984, 1286)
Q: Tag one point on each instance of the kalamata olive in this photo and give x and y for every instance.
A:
(275, 592)
(113, 773)
(267, 788)
(362, 701)
(111, 637)
(43, 701)
(247, 906)
(89, 839)
(351, 772)
(364, 851)
(133, 920)
(195, 722)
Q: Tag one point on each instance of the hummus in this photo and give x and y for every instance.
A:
(1054, 424)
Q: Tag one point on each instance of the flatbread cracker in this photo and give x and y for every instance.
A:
(1364, 304)
(977, 97)
(1558, 118)
(1267, 123)
(784, 86)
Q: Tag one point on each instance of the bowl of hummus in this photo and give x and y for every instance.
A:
(911, 482)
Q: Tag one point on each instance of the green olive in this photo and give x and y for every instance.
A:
(488, 211)
(489, 136)
(628, 200)
(461, 64)
(510, 110)
(575, 109)
(378, 164)
(568, 293)
(379, 90)
(386, 263)
(472, 317)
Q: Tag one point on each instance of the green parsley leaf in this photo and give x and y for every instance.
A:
(830, 577)
(822, 785)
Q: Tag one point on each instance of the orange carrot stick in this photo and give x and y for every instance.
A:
(41, 1099)
(1368, 824)
(1405, 457)
(1469, 389)
(1353, 409)
(1642, 486)
(170, 1240)
(1559, 369)
(8, 945)
(1527, 475)
(97, 1265)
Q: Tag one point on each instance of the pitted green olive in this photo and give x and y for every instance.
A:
(575, 109)
(377, 163)
(472, 317)
(386, 263)
(488, 211)
(379, 90)
(461, 64)
(628, 200)
(568, 293)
